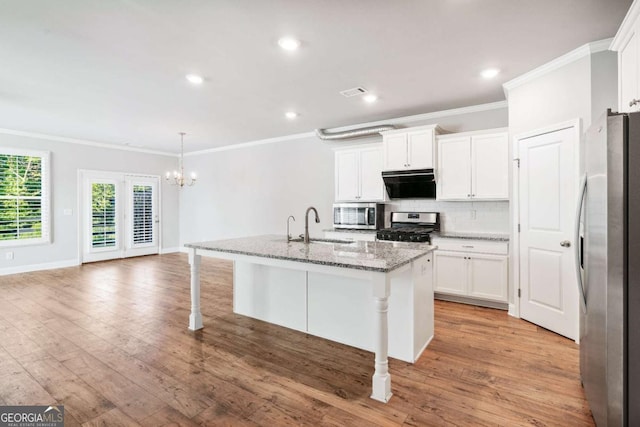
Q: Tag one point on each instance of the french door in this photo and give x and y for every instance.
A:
(120, 215)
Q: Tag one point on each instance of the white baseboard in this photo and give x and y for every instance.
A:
(512, 311)
(38, 267)
(184, 250)
(169, 250)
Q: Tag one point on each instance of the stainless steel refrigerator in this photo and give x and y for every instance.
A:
(608, 257)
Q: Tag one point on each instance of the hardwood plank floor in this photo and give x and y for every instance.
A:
(110, 341)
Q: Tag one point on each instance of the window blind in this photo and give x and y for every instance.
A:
(142, 214)
(24, 197)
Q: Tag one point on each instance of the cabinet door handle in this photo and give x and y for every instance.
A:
(634, 102)
(565, 243)
(467, 246)
(469, 196)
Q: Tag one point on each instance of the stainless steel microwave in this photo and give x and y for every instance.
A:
(364, 216)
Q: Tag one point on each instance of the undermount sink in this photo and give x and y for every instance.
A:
(325, 241)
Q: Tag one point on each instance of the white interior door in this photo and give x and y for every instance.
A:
(547, 190)
(120, 215)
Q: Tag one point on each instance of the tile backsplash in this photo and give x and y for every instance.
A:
(476, 217)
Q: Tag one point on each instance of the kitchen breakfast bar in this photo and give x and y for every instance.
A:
(377, 296)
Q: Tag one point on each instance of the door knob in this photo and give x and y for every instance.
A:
(565, 243)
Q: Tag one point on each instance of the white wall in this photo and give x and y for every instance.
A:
(252, 190)
(581, 89)
(66, 160)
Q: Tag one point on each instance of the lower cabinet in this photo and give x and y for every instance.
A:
(471, 274)
(339, 306)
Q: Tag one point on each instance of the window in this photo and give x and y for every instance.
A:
(24, 197)
(103, 215)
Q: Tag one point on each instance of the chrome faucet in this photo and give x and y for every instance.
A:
(306, 222)
(289, 234)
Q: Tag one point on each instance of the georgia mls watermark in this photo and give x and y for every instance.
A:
(32, 416)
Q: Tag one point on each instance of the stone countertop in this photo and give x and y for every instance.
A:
(496, 237)
(350, 230)
(372, 256)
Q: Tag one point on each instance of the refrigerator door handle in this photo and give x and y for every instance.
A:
(581, 196)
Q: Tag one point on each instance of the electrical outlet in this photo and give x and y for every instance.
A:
(9, 255)
(473, 214)
(67, 212)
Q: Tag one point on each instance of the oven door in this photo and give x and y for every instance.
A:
(355, 215)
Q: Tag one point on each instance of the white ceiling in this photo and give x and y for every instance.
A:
(113, 71)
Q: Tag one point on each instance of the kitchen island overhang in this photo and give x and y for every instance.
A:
(352, 293)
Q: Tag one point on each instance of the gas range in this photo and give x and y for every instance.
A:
(410, 227)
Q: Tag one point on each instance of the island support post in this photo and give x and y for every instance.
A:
(381, 387)
(195, 318)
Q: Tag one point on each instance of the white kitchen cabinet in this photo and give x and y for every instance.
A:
(358, 174)
(464, 269)
(371, 184)
(451, 273)
(454, 169)
(411, 148)
(488, 275)
(628, 47)
(473, 166)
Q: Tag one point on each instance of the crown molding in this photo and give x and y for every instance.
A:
(568, 58)
(397, 121)
(83, 142)
(252, 143)
(626, 28)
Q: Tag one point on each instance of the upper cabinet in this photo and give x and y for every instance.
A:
(410, 148)
(473, 166)
(358, 174)
(628, 47)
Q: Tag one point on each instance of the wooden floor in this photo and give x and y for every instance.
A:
(110, 341)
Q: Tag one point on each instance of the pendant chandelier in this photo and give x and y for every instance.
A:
(178, 177)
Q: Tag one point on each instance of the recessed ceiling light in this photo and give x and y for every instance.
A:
(489, 73)
(194, 78)
(370, 98)
(289, 43)
(291, 115)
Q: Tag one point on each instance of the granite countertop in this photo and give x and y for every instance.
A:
(350, 230)
(372, 256)
(475, 236)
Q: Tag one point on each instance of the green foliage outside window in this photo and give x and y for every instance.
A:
(20, 197)
(103, 208)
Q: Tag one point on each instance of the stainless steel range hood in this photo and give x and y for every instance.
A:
(410, 184)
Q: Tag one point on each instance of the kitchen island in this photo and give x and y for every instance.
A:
(372, 295)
